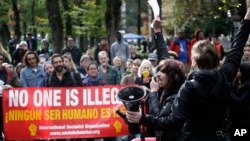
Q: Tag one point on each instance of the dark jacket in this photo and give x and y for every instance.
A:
(76, 54)
(137, 56)
(81, 70)
(97, 50)
(46, 53)
(162, 48)
(240, 106)
(162, 109)
(139, 81)
(18, 55)
(201, 104)
(67, 80)
(32, 44)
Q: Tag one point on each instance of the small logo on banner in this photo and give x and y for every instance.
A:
(118, 126)
(32, 129)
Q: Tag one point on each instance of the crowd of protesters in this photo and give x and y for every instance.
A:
(195, 85)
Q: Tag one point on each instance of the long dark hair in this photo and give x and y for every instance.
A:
(245, 76)
(197, 32)
(175, 72)
(26, 59)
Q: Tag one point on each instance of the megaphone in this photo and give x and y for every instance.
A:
(131, 97)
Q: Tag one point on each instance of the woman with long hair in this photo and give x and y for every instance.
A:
(240, 106)
(5, 53)
(163, 90)
(68, 62)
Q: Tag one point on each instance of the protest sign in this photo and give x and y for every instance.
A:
(50, 113)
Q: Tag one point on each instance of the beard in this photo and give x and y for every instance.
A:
(59, 68)
(119, 39)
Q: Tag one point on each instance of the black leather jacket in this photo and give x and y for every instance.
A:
(162, 110)
(69, 79)
(201, 104)
(161, 46)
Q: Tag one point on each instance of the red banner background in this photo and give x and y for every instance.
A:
(50, 113)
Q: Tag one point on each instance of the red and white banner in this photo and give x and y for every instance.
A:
(50, 113)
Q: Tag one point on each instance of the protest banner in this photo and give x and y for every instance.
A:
(52, 113)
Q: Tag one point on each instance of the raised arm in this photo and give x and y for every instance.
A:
(159, 40)
(233, 58)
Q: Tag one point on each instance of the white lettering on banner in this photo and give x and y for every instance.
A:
(75, 132)
(113, 94)
(106, 96)
(78, 126)
(92, 96)
(53, 97)
(71, 97)
(97, 126)
(75, 126)
(47, 98)
(87, 96)
(52, 127)
(18, 98)
(97, 101)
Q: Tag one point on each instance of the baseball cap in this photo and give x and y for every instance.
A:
(152, 56)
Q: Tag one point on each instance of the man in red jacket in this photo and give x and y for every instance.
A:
(182, 47)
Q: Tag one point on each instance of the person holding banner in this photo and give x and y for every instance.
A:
(48, 68)
(33, 73)
(8, 79)
(62, 77)
(201, 105)
(92, 78)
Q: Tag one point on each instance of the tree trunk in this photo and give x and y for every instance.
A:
(17, 27)
(5, 34)
(24, 30)
(112, 18)
(68, 23)
(33, 19)
(56, 24)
